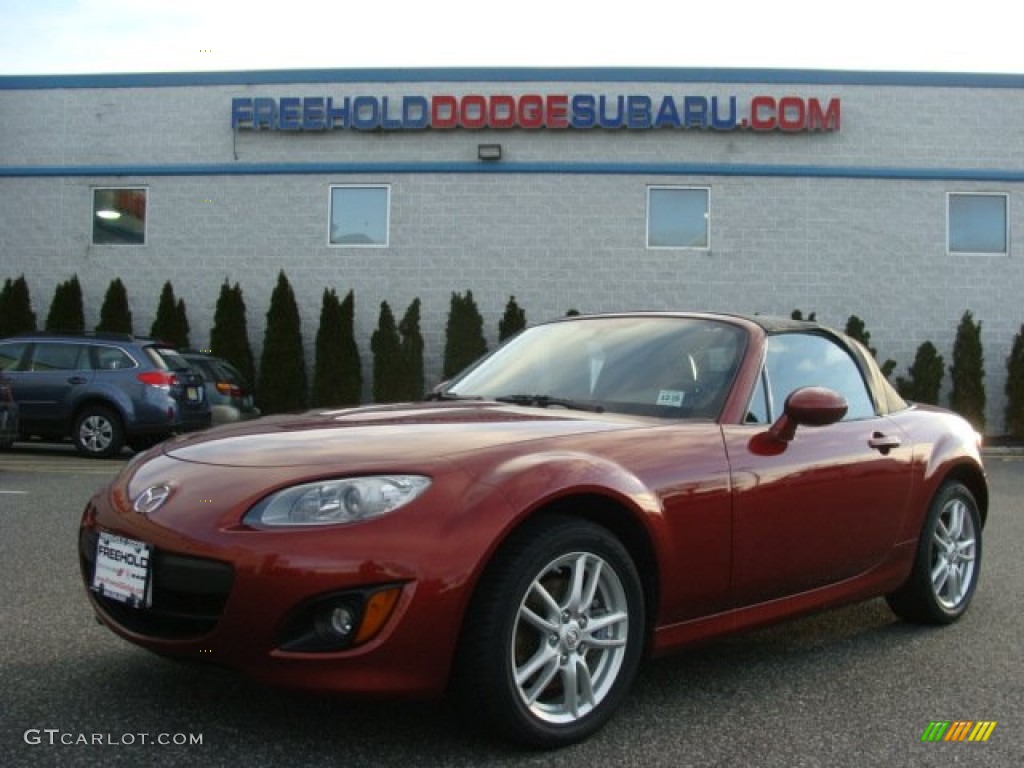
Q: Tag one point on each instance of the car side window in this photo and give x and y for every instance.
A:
(795, 360)
(11, 354)
(57, 356)
(111, 359)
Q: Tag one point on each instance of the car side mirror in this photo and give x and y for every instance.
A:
(808, 406)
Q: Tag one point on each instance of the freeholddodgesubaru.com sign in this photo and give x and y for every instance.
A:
(763, 113)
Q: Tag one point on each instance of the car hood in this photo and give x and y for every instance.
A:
(400, 434)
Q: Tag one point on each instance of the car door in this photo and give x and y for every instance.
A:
(55, 372)
(829, 504)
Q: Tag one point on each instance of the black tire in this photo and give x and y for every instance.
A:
(947, 563)
(98, 432)
(596, 642)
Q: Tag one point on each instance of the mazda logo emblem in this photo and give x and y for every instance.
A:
(151, 499)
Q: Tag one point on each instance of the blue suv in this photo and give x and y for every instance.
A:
(102, 390)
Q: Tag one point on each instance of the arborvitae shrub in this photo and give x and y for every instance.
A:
(163, 321)
(512, 322)
(798, 315)
(16, 315)
(464, 335)
(282, 381)
(115, 314)
(387, 358)
(351, 390)
(66, 310)
(326, 359)
(181, 327)
(1015, 387)
(967, 396)
(5, 298)
(337, 379)
(411, 353)
(229, 337)
(170, 324)
(926, 374)
(856, 329)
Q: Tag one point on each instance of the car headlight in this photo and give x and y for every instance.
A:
(336, 502)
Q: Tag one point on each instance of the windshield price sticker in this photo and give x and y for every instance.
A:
(122, 570)
(671, 397)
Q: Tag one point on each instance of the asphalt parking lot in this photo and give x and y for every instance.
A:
(853, 686)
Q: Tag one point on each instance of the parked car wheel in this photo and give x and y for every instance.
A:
(556, 633)
(947, 563)
(98, 432)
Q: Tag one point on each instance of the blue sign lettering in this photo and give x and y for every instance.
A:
(314, 118)
(264, 114)
(415, 112)
(668, 115)
(290, 114)
(337, 117)
(638, 112)
(611, 122)
(727, 123)
(583, 111)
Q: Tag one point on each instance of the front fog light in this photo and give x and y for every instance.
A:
(334, 623)
(340, 621)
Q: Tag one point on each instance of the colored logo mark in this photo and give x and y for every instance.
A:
(958, 730)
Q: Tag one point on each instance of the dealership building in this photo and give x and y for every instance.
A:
(893, 197)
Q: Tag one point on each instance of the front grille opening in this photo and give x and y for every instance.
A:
(189, 594)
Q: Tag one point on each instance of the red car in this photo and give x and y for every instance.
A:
(596, 490)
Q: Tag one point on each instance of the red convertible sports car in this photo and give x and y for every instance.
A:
(596, 490)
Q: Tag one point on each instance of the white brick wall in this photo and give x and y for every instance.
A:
(875, 247)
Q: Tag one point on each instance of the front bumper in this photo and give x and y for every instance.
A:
(235, 600)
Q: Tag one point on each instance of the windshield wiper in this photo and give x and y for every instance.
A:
(546, 401)
(449, 396)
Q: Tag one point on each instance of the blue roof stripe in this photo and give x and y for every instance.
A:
(611, 169)
(514, 75)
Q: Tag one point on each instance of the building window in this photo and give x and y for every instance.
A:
(359, 215)
(118, 216)
(677, 217)
(977, 223)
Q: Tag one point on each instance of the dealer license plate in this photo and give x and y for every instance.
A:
(122, 570)
(194, 394)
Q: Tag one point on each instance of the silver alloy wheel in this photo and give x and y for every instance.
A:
(953, 554)
(96, 433)
(570, 637)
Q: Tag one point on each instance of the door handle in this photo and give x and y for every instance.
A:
(77, 380)
(884, 443)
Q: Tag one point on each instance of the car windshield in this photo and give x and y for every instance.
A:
(227, 372)
(216, 370)
(202, 367)
(651, 366)
(168, 358)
